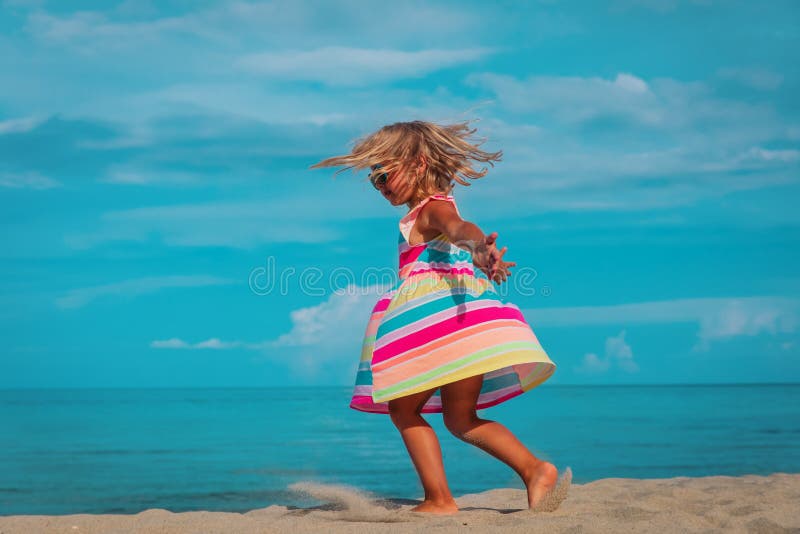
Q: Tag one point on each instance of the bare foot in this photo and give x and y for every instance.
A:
(552, 498)
(434, 507)
(540, 480)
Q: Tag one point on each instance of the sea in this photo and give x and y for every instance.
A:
(67, 451)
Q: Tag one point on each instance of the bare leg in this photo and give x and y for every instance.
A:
(460, 417)
(426, 454)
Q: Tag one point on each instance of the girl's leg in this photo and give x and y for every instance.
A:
(426, 454)
(458, 402)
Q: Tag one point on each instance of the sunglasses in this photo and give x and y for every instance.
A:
(379, 180)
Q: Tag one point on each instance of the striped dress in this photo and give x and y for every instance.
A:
(441, 322)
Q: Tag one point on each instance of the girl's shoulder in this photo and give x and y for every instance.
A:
(430, 198)
(448, 199)
(410, 218)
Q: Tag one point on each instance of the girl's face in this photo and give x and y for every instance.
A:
(398, 188)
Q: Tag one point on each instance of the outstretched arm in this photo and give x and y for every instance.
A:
(443, 217)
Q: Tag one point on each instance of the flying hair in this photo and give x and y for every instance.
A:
(447, 150)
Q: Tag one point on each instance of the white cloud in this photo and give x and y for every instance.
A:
(689, 110)
(738, 317)
(631, 83)
(717, 318)
(27, 180)
(299, 218)
(755, 77)
(327, 333)
(681, 143)
(573, 99)
(214, 343)
(276, 105)
(269, 105)
(342, 66)
(333, 322)
(758, 154)
(617, 354)
(92, 33)
(209, 344)
(227, 26)
(325, 338)
(24, 124)
(78, 298)
(689, 145)
(172, 343)
(22, 3)
(673, 143)
(619, 350)
(327, 327)
(331, 331)
(127, 176)
(592, 363)
(136, 134)
(659, 6)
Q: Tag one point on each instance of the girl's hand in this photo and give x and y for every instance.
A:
(490, 260)
(443, 216)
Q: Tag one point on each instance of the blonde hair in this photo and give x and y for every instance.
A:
(446, 148)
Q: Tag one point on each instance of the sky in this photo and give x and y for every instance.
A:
(161, 227)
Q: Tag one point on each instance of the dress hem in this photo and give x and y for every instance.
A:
(370, 405)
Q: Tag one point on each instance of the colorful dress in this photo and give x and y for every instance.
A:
(441, 322)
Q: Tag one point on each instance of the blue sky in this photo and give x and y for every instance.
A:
(154, 174)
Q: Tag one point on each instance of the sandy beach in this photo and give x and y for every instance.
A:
(751, 503)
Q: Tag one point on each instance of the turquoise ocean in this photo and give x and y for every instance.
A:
(70, 451)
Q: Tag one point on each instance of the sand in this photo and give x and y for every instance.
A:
(751, 503)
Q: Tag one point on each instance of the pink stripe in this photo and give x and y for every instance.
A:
(443, 328)
(459, 265)
(381, 305)
(410, 255)
(465, 270)
(432, 319)
(480, 405)
(434, 404)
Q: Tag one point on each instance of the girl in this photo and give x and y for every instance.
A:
(442, 340)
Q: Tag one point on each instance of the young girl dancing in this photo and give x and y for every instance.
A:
(442, 340)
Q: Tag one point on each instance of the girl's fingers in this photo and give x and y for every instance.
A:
(496, 269)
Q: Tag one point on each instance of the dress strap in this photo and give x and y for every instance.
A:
(408, 220)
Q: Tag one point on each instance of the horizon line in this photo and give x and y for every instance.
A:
(330, 386)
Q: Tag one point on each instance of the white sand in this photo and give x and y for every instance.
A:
(752, 504)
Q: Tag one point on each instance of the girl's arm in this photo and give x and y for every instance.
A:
(443, 217)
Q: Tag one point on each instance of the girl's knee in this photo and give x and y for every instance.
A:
(460, 424)
(403, 412)
(410, 406)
